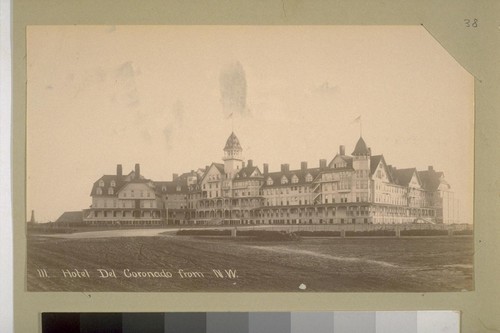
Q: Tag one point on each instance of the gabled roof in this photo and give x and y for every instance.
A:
(361, 148)
(345, 158)
(430, 179)
(374, 162)
(120, 182)
(185, 175)
(301, 174)
(246, 172)
(71, 217)
(218, 166)
(232, 143)
(403, 176)
(107, 179)
(171, 187)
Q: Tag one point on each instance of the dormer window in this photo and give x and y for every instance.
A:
(178, 188)
(309, 178)
(110, 191)
(164, 189)
(295, 179)
(101, 183)
(113, 183)
(284, 180)
(98, 191)
(269, 181)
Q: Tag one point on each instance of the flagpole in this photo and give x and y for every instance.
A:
(360, 127)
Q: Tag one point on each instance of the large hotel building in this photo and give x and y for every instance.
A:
(358, 188)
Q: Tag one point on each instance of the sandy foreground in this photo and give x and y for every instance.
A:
(144, 260)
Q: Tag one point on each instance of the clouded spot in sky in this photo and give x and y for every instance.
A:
(233, 89)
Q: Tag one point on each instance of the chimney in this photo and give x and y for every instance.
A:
(119, 170)
(266, 168)
(430, 168)
(342, 150)
(243, 164)
(303, 166)
(322, 164)
(250, 163)
(175, 176)
(137, 171)
(32, 220)
(370, 151)
(285, 167)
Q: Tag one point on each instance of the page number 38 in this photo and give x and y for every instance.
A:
(471, 23)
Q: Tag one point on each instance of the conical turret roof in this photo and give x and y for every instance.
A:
(361, 148)
(232, 143)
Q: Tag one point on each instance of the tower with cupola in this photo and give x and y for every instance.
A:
(361, 156)
(233, 159)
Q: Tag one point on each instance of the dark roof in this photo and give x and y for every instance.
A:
(301, 174)
(120, 182)
(374, 162)
(361, 148)
(171, 187)
(219, 167)
(71, 217)
(246, 172)
(232, 143)
(346, 158)
(185, 175)
(403, 176)
(430, 179)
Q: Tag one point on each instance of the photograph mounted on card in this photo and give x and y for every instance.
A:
(247, 159)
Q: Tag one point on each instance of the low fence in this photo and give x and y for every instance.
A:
(355, 230)
(364, 227)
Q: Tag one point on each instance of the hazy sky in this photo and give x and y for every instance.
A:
(161, 95)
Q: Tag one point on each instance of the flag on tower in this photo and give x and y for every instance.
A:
(357, 120)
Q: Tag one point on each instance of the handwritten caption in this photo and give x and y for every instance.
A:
(127, 273)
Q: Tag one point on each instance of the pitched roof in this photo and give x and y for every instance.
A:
(301, 175)
(361, 148)
(246, 172)
(219, 167)
(171, 187)
(232, 143)
(430, 179)
(185, 175)
(345, 158)
(374, 162)
(403, 176)
(71, 217)
(107, 179)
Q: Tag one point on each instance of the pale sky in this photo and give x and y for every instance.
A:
(160, 96)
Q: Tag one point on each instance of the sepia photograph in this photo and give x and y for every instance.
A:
(247, 159)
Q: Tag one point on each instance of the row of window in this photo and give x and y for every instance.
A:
(286, 190)
(101, 183)
(133, 194)
(294, 179)
(123, 204)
